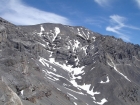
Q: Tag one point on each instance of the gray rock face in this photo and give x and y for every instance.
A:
(54, 64)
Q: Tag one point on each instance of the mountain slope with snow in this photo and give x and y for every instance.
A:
(68, 65)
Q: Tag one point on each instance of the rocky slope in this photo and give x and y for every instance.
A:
(54, 64)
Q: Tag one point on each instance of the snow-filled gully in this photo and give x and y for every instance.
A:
(73, 71)
(112, 64)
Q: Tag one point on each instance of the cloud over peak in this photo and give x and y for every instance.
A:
(116, 19)
(18, 13)
(117, 25)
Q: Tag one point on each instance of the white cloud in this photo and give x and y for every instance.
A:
(138, 2)
(112, 30)
(17, 12)
(118, 19)
(117, 24)
(103, 2)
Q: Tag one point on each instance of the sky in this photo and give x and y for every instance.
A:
(119, 18)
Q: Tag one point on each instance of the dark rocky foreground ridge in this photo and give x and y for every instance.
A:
(54, 64)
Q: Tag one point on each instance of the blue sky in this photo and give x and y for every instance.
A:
(119, 18)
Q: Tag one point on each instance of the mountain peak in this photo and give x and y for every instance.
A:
(57, 64)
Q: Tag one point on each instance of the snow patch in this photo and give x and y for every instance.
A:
(72, 96)
(22, 91)
(49, 78)
(44, 63)
(84, 49)
(41, 30)
(42, 60)
(58, 89)
(107, 81)
(115, 68)
(85, 87)
(47, 75)
(103, 101)
(75, 45)
(53, 75)
(75, 103)
(93, 38)
(74, 91)
(57, 30)
(76, 71)
(50, 53)
(80, 33)
(77, 61)
(42, 44)
(85, 35)
(92, 68)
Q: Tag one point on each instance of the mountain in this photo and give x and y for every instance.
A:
(55, 64)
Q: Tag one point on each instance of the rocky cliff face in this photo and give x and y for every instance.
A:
(54, 64)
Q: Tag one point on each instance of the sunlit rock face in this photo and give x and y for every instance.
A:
(55, 64)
